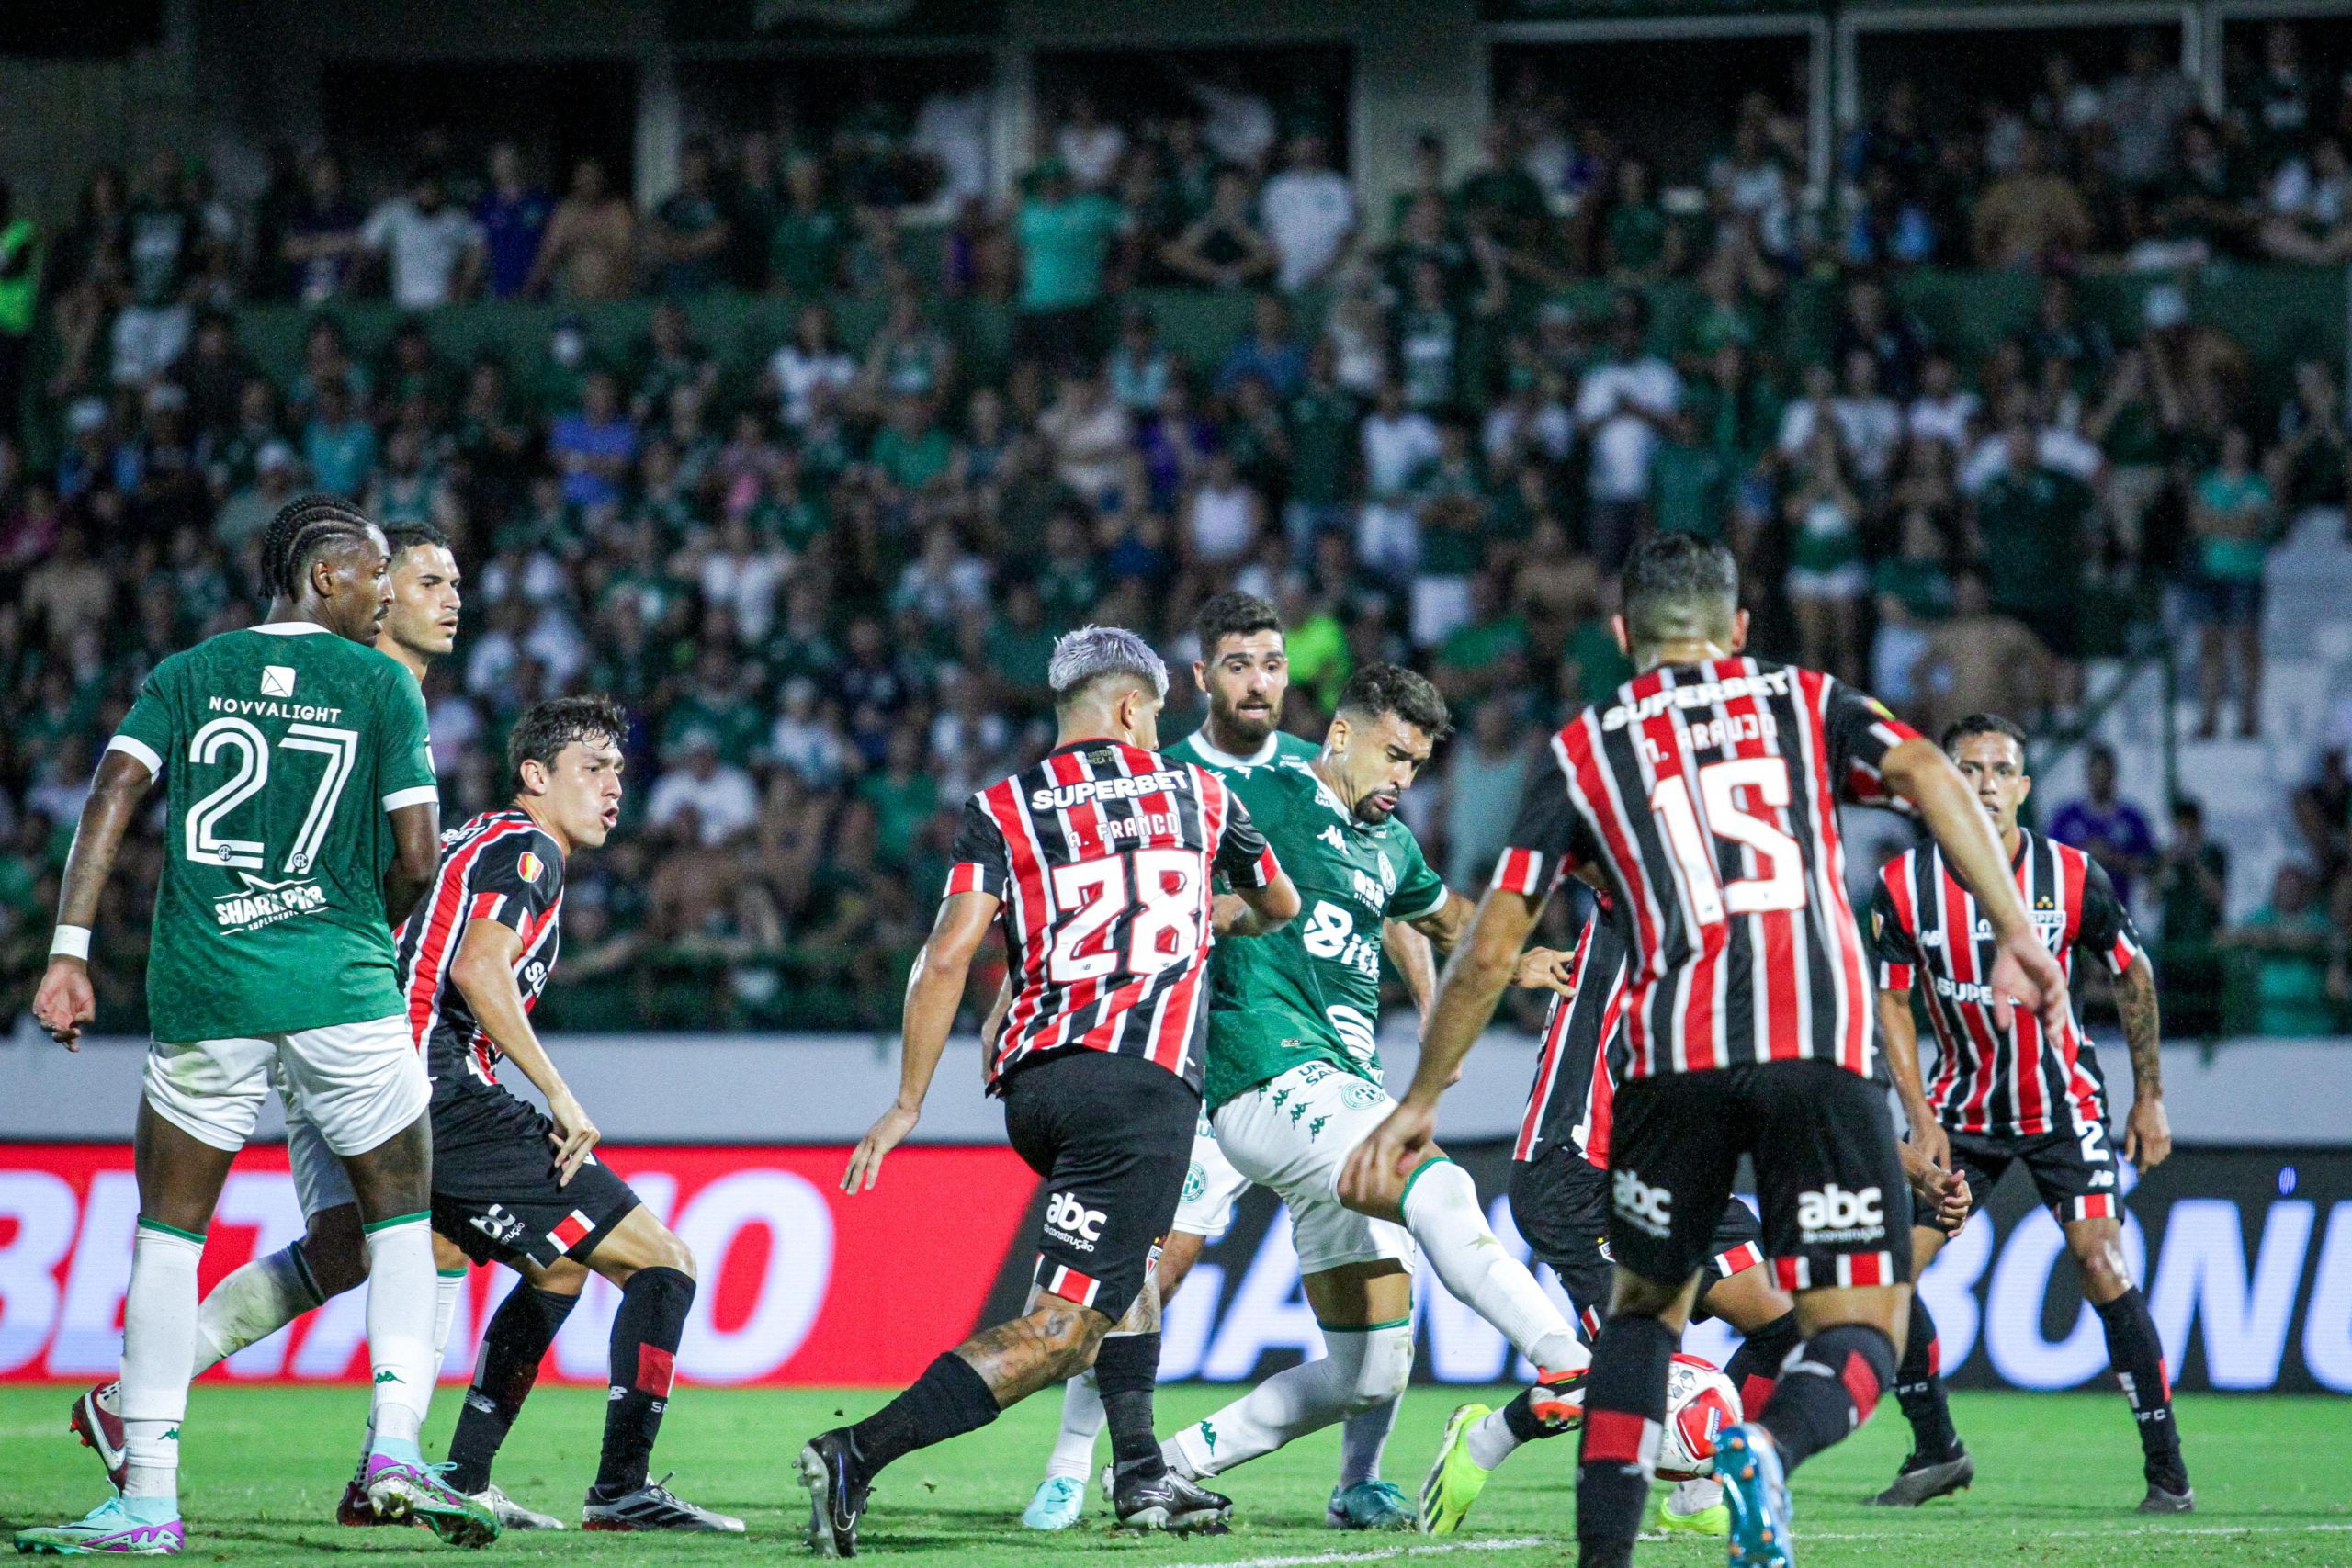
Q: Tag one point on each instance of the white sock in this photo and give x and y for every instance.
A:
(1694, 1496)
(1442, 1211)
(447, 1286)
(1362, 1369)
(399, 1327)
(1083, 1422)
(1491, 1440)
(252, 1303)
(158, 1348)
(1361, 1437)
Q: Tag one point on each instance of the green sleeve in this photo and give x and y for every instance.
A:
(146, 731)
(1419, 891)
(404, 745)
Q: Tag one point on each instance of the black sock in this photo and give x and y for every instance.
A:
(2138, 1357)
(1828, 1391)
(645, 1351)
(1525, 1425)
(1919, 1389)
(512, 1348)
(949, 1400)
(1624, 1407)
(1756, 1365)
(1126, 1368)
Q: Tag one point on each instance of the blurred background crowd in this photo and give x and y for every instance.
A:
(811, 459)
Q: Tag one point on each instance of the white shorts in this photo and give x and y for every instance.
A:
(354, 1084)
(1211, 1186)
(319, 1181)
(1294, 1135)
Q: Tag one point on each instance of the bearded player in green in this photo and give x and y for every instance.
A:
(1294, 1076)
(302, 823)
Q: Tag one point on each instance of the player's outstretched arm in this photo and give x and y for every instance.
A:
(483, 973)
(1919, 771)
(1414, 961)
(66, 1000)
(1901, 1034)
(1482, 965)
(934, 990)
(416, 856)
(2147, 1131)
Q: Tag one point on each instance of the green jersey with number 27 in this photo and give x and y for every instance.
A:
(283, 750)
(1311, 991)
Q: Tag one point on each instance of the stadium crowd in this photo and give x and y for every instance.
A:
(826, 578)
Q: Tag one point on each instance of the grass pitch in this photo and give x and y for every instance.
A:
(2057, 1477)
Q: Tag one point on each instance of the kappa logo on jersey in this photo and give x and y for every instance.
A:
(1834, 1214)
(1068, 1220)
(1333, 837)
(276, 681)
(1647, 1209)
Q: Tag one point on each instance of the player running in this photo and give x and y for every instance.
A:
(1704, 795)
(1245, 671)
(2010, 1093)
(265, 1295)
(1102, 856)
(1294, 1083)
(301, 822)
(515, 1187)
(1559, 1199)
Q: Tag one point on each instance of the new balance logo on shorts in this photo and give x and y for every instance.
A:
(1068, 1220)
(1834, 1214)
(1647, 1209)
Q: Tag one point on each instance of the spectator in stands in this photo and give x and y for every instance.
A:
(2291, 939)
(323, 240)
(718, 797)
(812, 365)
(1222, 248)
(1309, 211)
(2032, 218)
(1065, 236)
(167, 249)
(1622, 404)
(2234, 516)
(590, 252)
(2309, 204)
(2110, 830)
(1240, 128)
(595, 445)
(686, 242)
(433, 251)
(1089, 146)
(1979, 661)
(1482, 783)
(2191, 886)
(1827, 579)
(512, 215)
(339, 443)
(2142, 109)
(2311, 465)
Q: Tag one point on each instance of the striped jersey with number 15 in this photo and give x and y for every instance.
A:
(1707, 797)
(1104, 855)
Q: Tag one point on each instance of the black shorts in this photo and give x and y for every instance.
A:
(2074, 1173)
(1113, 1138)
(494, 1187)
(1827, 1174)
(1559, 1200)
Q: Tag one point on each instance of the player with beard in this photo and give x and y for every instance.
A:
(1294, 1081)
(1245, 671)
(265, 1295)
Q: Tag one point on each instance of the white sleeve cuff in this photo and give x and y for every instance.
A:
(420, 796)
(131, 746)
(1442, 895)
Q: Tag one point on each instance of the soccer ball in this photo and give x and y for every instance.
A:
(1700, 1402)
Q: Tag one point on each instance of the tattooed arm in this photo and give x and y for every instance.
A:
(2147, 1131)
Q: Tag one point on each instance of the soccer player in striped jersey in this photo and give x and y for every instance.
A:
(1102, 858)
(1702, 797)
(2018, 1093)
(1559, 1199)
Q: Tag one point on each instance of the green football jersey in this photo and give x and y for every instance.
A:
(1311, 991)
(282, 749)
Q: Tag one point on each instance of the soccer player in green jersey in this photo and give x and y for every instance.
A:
(302, 820)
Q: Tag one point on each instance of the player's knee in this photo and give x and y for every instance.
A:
(1385, 1369)
(673, 1254)
(2105, 1274)
(336, 1249)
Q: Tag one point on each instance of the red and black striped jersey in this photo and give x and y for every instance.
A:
(2016, 1082)
(500, 866)
(1584, 1045)
(1104, 855)
(1706, 796)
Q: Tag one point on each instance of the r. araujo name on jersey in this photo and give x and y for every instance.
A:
(1580, 1059)
(1311, 991)
(2017, 1082)
(501, 867)
(1105, 856)
(282, 749)
(1707, 796)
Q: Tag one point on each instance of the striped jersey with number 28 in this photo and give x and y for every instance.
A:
(1104, 855)
(1707, 797)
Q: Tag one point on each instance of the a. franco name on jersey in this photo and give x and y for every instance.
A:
(1061, 797)
(1703, 694)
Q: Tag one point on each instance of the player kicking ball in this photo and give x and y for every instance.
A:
(301, 820)
(2015, 1094)
(1702, 797)
(1102, 858)
(1244, 669)
(1294, 1084)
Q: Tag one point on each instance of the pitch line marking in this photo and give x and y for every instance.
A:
(1385, 1554)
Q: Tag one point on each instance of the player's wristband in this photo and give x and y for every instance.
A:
(71, 941)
